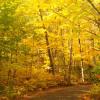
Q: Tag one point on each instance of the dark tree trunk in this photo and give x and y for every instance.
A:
(70, 61)
(52, 70)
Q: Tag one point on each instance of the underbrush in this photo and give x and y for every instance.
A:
(94, 93)
(95, 90)
(29, 81)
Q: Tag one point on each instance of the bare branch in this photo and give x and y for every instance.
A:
(92, 33)
(93, 6)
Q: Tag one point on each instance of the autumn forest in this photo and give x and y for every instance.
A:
(48, 44)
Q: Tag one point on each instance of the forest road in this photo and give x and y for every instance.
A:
(67, 93)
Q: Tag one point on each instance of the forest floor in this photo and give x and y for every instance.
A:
(67, 93)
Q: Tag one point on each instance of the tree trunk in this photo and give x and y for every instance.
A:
(49, 54)
(47, 43)
(82, 69)
(63, 56)
(92, 46)
(70, 61)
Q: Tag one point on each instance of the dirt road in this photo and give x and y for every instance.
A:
(68, 93)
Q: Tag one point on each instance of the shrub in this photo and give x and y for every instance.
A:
(95, 89)
(2, 89)
(96, 70)
(95, 92)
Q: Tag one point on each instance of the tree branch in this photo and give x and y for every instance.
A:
(93, 6)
